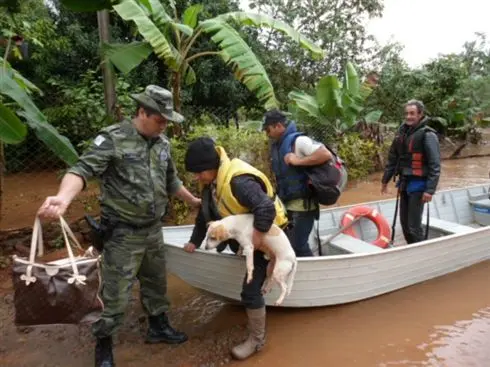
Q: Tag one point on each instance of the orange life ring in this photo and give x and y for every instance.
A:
(384, 230)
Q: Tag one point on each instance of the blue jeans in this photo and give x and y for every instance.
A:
(302, 224)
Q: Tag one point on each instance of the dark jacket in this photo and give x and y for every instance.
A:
(415, 153)
(251, 193)
(292, 182)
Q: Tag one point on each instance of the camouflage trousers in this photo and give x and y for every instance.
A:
(128, 255)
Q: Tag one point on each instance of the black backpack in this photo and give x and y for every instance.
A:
(327, 180)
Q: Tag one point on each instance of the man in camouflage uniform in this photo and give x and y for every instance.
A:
(133, 162)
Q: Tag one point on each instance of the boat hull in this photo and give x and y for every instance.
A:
(343, 278)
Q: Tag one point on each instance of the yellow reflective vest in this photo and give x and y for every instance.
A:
(227, 203)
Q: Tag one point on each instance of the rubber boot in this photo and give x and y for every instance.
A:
(103, 352)
(160, 331)
(256, 335)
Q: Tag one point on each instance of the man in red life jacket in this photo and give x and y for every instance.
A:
(415, 158)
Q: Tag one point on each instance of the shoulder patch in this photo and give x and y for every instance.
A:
(99, 140)
(163, 155)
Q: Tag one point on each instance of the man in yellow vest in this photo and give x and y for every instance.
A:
(233, 187)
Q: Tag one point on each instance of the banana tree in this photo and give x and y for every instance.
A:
(13, 130)
(171, 38)
(335, 104)
(14, 87)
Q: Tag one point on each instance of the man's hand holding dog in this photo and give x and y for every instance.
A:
(189, 247)
(257, 238)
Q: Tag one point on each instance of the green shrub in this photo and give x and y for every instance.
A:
(361, 156)
(79, 112)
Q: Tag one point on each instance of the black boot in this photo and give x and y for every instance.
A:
(103, 352)
(160, 331)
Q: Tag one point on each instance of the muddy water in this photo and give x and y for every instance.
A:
(444, 322)
(454, 174)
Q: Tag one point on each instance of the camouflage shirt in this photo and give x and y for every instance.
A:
(136, 174)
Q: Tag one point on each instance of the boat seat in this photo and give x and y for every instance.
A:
(446, 226)
(353, 245)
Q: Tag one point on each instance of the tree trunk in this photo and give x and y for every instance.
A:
(176, 79)
(107, 72)
(176, 91)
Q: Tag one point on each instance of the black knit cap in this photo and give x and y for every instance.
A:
(201, 155)
(273, 117)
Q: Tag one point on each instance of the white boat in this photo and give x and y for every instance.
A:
(352, 269)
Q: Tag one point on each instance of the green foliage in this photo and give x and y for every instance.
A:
(12, 130)
(173, 48)
(15, 90)
(80, 111)
(87, 5)
(13, 6)
(359, 154)
(454, 88)
(338, 26)
(335, 104)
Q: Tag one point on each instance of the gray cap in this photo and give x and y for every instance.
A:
(160, 100)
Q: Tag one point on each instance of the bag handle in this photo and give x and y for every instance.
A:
(37, 243)
(66, 230)
(36, 239)
(66, 226)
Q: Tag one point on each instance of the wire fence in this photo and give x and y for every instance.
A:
(34, 156)
(33, 172)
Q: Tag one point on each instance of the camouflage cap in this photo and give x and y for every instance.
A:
(159, 100)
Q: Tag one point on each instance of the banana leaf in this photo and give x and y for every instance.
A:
(57, 143)
(126, 57)
(12, 130)
(129, 10)
(245, 64)
(263, 20)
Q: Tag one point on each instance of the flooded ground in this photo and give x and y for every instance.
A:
(444, 322)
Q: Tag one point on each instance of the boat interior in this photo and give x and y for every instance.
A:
(450, 212)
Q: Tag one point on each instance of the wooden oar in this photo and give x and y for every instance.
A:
(340, 230)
